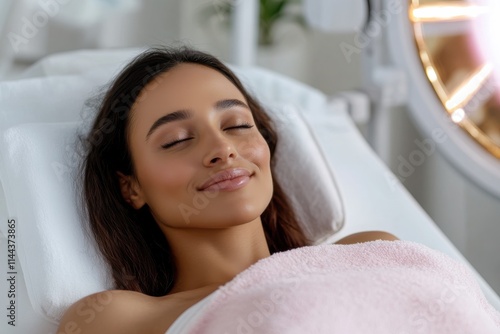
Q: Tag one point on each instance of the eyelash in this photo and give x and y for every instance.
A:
(175, 142)
(241, 126)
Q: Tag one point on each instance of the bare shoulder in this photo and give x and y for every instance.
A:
(127, 312)
(366, 236)
(112, 311)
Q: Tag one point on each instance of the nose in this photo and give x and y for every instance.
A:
(219, 150)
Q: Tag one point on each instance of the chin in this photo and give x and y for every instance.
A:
(228, 216)
(234, 208)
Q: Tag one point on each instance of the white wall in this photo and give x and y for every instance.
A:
(157, 22)
(316, 57)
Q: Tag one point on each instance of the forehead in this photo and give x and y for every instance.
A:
(187, 83)
(185, 86)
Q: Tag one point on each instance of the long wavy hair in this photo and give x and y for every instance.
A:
(131, 240)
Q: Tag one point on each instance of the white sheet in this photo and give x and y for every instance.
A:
(184, 322)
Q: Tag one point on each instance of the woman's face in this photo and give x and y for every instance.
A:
(191, 127)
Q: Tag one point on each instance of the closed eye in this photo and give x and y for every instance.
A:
(241, 126)
(175, 142)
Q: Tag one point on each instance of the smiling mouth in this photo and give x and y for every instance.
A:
(227, 180)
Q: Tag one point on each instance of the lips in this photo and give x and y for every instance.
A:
(228, 179)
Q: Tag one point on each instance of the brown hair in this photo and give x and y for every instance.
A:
(131, 240)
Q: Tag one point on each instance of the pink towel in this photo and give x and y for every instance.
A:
(385, 287)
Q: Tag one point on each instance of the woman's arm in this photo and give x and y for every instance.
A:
(366, 236)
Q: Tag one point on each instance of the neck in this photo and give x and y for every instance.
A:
(208, 257)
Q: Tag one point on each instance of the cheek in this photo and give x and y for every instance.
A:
(160, 179)
(255, 150)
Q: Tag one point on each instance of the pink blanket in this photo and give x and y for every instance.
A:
(376, 287)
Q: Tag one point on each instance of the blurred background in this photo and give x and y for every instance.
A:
(338, 47)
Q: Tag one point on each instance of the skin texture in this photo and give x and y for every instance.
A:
(214, 235)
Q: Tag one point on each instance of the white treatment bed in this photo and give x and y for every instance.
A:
(370, 196)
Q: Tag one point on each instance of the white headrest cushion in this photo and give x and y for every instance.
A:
(303, 172)
(59, 262)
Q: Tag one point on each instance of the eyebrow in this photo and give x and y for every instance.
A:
(183, 114)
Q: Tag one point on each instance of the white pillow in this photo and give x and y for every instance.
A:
(59, 261)
(302, 170)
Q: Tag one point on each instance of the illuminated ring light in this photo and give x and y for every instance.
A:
(452, 105)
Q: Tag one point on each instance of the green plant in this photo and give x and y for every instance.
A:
(270, 13)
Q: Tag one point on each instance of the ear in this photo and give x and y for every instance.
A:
(131, 190)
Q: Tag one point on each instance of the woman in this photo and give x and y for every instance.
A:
(179, 191)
